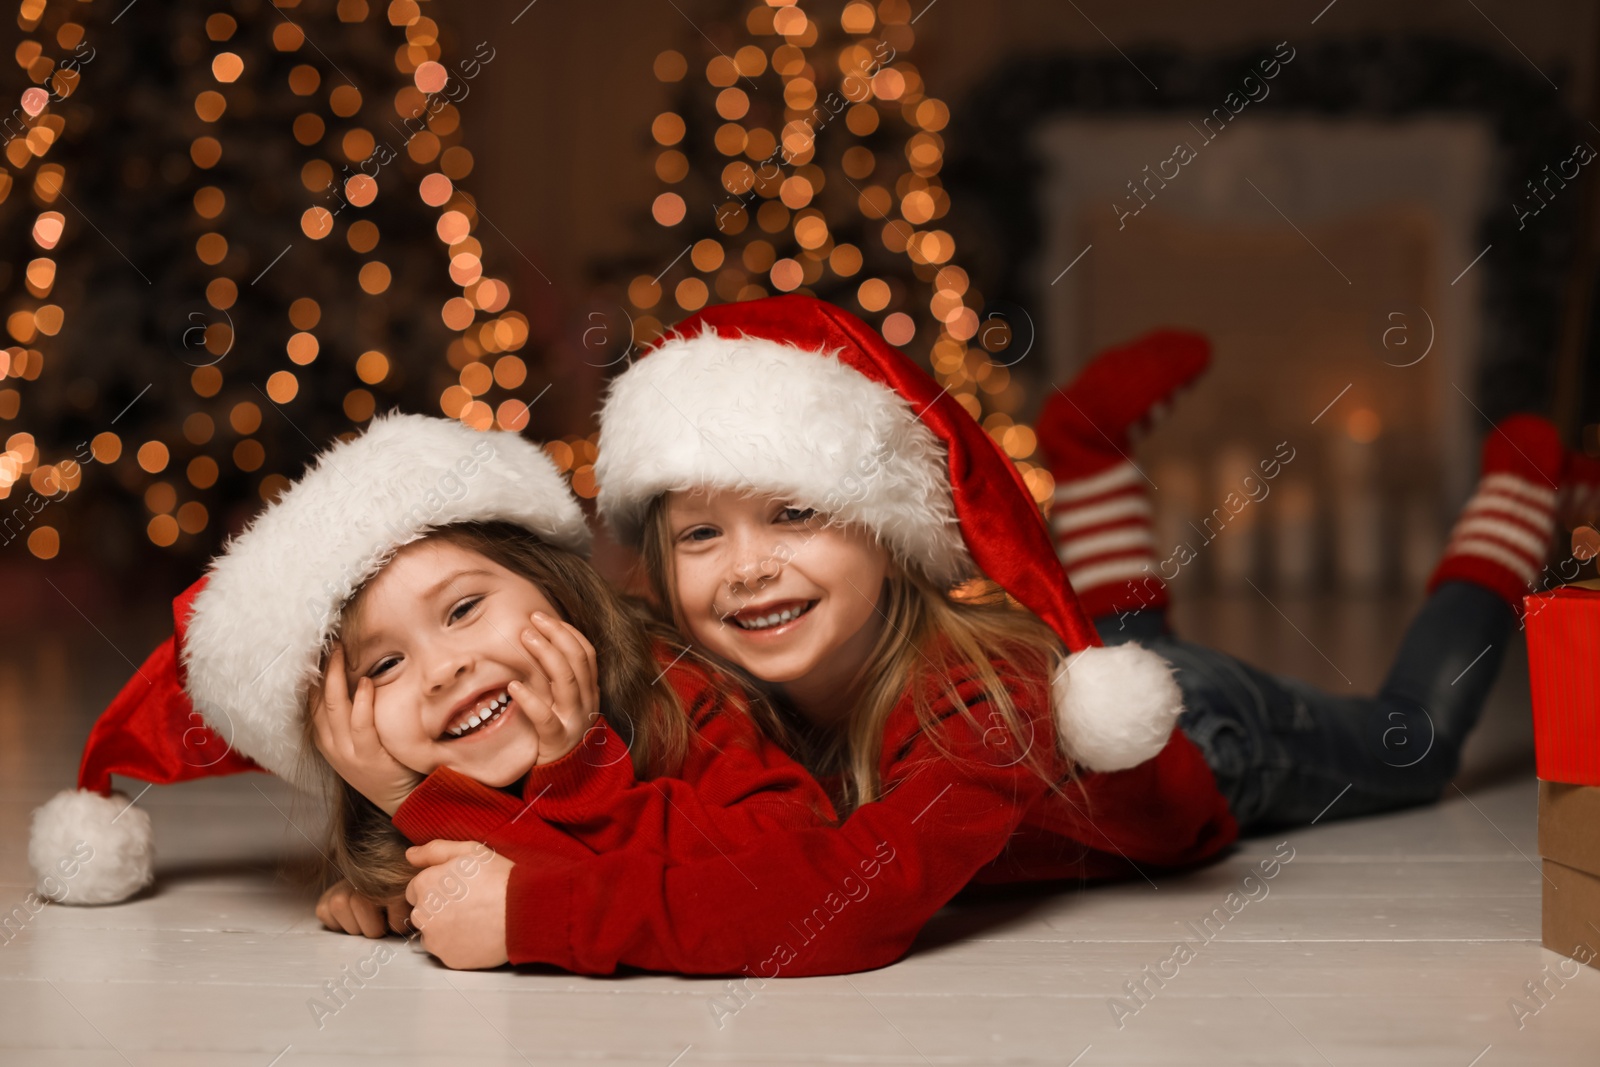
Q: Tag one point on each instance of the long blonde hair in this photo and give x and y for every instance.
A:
(930, 642)
(364, 846)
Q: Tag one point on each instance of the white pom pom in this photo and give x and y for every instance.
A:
(1116, 706)
(90, 849)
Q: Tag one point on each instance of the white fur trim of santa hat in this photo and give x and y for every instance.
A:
(751, 413)
(259, 628)
(1115, 705)
(90, 849)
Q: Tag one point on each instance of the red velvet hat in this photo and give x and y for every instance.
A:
(796, 397)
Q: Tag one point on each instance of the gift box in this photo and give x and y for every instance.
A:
(1569, 841)
(1563, 628)
(1564, 674)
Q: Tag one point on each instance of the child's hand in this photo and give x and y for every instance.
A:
(459, 902)
(564, 701)
(342, 908)
(348, 740)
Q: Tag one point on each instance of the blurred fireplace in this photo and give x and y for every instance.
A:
(1318, 256)
(1325, 238)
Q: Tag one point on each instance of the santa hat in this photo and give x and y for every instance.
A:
(792, 396)
(227, 692)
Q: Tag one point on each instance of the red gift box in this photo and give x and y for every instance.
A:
(1564, 674)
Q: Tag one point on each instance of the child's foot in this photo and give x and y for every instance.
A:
(1101, 514)
(1503, 535)
(1579, 501)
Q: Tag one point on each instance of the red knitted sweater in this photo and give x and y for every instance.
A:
(739, 866)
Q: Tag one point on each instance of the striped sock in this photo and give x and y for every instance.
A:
(1103, 535)
(1100, 515)
(1503, 535)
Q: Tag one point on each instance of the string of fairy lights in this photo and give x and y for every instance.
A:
(30, 325)
(429, 145)
(773, 236)
(339, 125)
(776, 236)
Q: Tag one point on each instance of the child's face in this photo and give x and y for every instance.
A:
(772, 589)
(437, 631)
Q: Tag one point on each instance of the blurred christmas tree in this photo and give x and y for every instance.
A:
(802, 154)
(230, 235)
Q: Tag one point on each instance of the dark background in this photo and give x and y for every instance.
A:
(1395, 146)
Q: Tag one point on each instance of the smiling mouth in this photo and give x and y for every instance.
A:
(482, 715)
(767, 618)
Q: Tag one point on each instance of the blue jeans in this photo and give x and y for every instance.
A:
(1286, 753)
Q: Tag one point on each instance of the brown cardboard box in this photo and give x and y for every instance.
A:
(1571, 906)
(1569, 841)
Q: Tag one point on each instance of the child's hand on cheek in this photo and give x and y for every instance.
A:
(348, 740)
(563, 703)
(458, 902)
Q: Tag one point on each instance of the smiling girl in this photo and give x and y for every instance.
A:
(411, 630)
(465, 658)
(827, 623)
(808, 503)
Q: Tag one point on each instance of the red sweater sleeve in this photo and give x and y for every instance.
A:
(449, 805)
(805, 900)
(734, 785)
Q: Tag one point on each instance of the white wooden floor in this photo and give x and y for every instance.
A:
(1394, 940)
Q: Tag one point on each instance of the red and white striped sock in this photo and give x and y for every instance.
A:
(1102, 527)
(1502, 538)
(1101, 515)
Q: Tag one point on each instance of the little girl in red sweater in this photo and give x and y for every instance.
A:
(411, 629)
(805, 500)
